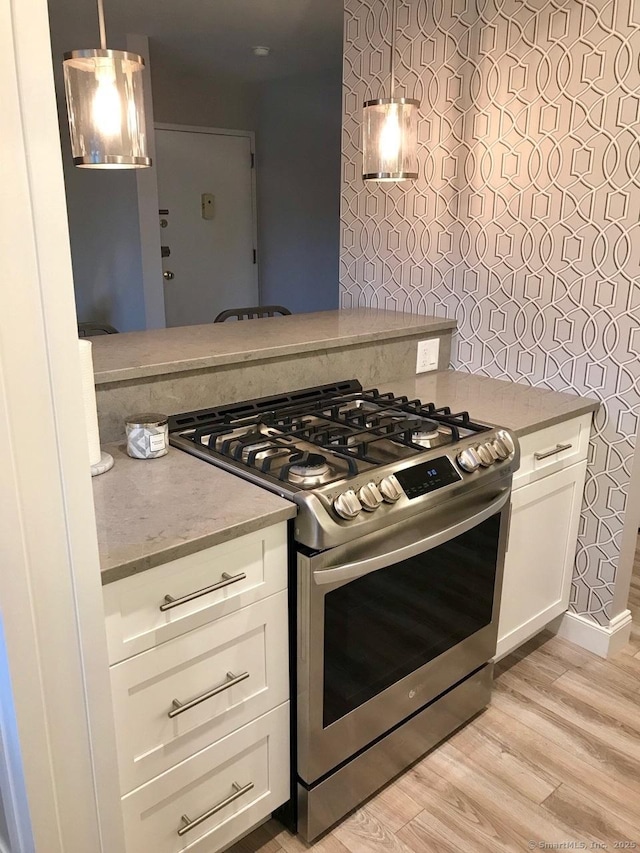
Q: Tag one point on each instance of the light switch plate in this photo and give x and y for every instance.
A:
(428, 352)
(208, 206)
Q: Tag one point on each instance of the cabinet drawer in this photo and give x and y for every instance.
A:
(552, 449)
(256, 755)
(248, 569)
(248, 651)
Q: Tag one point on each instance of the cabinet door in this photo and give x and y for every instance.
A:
(540, 555)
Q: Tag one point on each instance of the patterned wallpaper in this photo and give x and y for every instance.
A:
(524, 223)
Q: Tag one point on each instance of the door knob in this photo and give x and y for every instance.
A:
(168, 275)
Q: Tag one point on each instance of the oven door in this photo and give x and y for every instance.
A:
(391, 621)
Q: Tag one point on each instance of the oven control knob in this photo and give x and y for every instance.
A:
(506, 439)
(468, 460)
(347, 505)
(370, 497)
(485, 455)
(390, 489)
(500, 449)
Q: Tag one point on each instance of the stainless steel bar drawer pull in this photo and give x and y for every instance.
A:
(557, 449)
(178, 707)
(238, 791)
(227, 580)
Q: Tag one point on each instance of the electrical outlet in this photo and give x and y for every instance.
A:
(428, 352)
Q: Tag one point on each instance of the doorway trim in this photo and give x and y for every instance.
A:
(50, 593)
(251, 136)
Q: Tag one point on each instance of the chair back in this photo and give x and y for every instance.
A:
(88, 330)
(252, 313)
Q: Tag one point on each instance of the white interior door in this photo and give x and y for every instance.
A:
(212, 264)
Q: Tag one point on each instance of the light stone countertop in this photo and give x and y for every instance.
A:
(495, 401)
(151, 511)
(133, 355)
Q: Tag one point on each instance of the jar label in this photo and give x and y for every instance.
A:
(156, 442)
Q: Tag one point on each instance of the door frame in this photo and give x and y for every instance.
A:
(251, 136)
(57, 725)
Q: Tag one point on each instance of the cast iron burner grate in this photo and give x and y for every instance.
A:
(343, 419)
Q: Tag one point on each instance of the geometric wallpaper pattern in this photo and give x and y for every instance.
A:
(524, 223)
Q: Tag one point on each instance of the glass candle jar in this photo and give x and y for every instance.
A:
(147, 435)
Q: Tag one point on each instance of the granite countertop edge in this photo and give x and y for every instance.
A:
(590, 406)
(190, 365)
(499, 402)
(110, 574)
(151, 512)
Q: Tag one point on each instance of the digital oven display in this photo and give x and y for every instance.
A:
(427, 477)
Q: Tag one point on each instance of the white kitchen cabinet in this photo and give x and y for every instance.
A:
(221, 652)
(545, 514)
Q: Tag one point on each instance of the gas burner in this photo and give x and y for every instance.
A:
(429, 434)
(343, 441)
(258, 448)
(423, 436)
(310, 471)
(310, 438)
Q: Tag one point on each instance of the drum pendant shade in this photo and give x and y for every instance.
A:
(105, 105)
(390, 131)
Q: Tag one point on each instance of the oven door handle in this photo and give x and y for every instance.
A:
(359, 568)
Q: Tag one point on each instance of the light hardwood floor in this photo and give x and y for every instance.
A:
(555, 758)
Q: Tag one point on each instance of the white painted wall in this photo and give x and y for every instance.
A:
(182, 96)
(298, 182)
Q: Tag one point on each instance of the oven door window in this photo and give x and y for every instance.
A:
(385, 625)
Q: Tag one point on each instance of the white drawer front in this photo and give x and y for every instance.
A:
(257, 754)
(552, 449)
(252, 642)
(134, 619)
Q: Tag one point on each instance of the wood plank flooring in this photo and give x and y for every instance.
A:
(555, 758)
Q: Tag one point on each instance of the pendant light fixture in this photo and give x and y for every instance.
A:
(105, 104)
(390, 130)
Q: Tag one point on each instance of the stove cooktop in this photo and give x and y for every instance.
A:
(348, 456)
(321, 435)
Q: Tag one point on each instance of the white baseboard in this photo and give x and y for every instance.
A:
(604, 641)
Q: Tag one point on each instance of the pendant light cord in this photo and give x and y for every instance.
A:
(101, 25)
(394, 21)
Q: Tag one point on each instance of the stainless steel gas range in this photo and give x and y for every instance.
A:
(398, 551)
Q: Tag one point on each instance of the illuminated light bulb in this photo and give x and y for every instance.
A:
(132, 118)
(390, 137)
(107, 107)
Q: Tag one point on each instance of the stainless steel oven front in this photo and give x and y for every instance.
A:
(389, 622)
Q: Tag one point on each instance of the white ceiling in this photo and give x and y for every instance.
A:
(216, 36)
